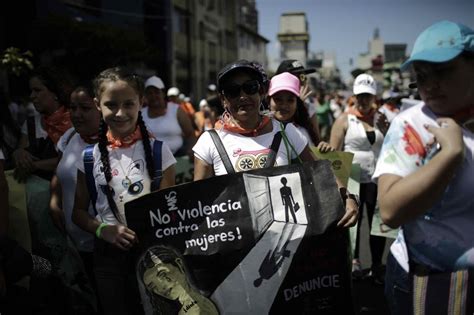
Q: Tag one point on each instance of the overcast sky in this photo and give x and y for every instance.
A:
(345, 26)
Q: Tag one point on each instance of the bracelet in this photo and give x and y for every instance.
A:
(99, 229)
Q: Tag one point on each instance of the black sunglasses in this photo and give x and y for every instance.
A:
(249, 87)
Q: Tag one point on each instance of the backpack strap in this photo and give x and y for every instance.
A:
(70, 136)
(88, 168)
(273, 150)
(156, 181)
(221, 150)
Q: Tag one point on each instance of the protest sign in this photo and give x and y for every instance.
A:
(237, 244)
(340, 163)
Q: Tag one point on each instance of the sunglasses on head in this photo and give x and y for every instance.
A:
(249, 87)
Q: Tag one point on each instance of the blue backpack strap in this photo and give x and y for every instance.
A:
(156, 180)
(88, 168)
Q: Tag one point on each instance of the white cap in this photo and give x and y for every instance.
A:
(203, 103)
(181, 96)
(365, 83)
(212, 87)
(154, 81)
(173, 91)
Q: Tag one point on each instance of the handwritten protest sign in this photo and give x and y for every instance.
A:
(257, 242)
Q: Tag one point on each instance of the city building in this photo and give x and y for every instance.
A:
(383, 61)
(185, 42)
(293, 36)
(250, 44)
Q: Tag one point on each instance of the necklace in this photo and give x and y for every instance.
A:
(126, 182)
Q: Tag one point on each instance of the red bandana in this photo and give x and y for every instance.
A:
(124, 142)
(231, 126)
(57, 123)
(368, 118)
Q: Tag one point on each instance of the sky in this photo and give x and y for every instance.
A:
(344, 27)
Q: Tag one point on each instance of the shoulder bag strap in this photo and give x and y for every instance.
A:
(222, 153)
(273, 150)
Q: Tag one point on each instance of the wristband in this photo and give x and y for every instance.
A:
(99, 229)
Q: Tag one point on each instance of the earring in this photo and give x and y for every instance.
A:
(226, 114)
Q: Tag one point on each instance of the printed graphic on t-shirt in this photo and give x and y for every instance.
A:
(247, 160)
(406, 144)
(126, 185)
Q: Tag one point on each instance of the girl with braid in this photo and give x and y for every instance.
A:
(123, 170)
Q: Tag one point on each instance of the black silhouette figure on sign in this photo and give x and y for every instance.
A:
(288, 200)
(275, 257)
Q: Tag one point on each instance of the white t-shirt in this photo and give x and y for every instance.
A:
(40, 132)
(166, 128)
(306, 134)
(246, 153)
(365, 154)
(124, 163)
(66, 172)
(442, 238)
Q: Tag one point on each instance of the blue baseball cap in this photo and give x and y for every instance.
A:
(441, 42)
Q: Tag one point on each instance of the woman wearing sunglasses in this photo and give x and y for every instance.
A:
(246, 134)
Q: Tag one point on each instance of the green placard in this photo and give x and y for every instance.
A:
(340, 163)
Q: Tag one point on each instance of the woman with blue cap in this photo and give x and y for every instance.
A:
(425, 179)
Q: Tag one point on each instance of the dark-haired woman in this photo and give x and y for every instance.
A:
(123, 169)
(247, 134)
(36, 153)
(85, 118)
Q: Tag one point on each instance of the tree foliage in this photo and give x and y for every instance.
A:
(16, 62)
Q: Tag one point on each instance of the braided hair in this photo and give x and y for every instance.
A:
(114, 75)
(104, 158)
(150, 165)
